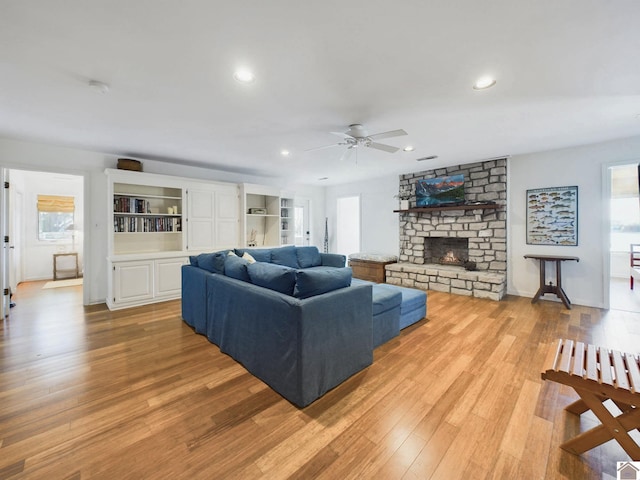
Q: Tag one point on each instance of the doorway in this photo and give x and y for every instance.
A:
(46, 222)
(348, 225)
(624, 214)
(302, 222)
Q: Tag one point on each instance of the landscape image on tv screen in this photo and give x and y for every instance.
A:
(432, 192)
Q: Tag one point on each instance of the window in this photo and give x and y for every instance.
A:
(625, 210)
(55, 217)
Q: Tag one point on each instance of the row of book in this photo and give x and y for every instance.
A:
(131, 205)
(155, 224)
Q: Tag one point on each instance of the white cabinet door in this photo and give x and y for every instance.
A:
(168, 277)
(132, 281)
(200, 219)
(227, 218)
(212, 218)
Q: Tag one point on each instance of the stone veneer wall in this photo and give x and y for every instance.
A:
(486, 231)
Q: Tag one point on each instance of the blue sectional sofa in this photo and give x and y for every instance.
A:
(295, 318)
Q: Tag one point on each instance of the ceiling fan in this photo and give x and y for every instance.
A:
(357, 136)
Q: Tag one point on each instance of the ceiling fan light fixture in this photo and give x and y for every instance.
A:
(409, 148)
(285, 153)
(484, 82)
(244, 75)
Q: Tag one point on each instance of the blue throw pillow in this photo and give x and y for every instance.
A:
(308, 257)
(193, 260)
(285, 256)
(212, 262)
(259, 254)
(316, 282)
(274, 277)
(236, 267)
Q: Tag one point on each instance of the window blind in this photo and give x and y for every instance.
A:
(55, 203)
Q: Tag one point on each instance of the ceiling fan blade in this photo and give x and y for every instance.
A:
(382, 146)
(346, 154)
(343, 135)
(389, 134)
(325, 146)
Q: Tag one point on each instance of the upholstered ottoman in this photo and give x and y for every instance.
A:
(414, 304)
(386, 312)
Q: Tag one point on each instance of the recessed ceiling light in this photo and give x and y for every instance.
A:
(99, 87)
(243, 75)
(484, 82)
(285, 153)
(409, 148)
(430, 157)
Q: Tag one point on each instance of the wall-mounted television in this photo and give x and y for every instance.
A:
(432, 192)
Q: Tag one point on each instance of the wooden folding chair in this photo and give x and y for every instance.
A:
(598, 374)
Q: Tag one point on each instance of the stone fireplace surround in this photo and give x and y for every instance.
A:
(485, 231)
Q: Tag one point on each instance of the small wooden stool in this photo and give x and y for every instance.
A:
(598, 374)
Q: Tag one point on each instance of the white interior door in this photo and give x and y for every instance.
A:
(5, 262)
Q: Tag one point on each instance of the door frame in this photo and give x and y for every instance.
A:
(606, 231)
(87, 264)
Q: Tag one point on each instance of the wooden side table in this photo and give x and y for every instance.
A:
(65, 263)
(557, 288)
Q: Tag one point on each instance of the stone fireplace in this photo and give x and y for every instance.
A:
(429, 238)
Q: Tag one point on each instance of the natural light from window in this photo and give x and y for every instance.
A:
(625, 208)
(55, 217)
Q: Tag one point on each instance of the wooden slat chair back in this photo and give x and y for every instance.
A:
(598, 374)
(634, 257)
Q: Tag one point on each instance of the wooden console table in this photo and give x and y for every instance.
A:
(557, 288)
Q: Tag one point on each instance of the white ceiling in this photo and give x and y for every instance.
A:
(567, 71)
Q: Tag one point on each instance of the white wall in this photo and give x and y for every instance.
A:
(379, 226)
(36, 255)
(24, 155)
(586, 282)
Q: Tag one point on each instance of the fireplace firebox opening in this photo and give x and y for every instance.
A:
(446, 250)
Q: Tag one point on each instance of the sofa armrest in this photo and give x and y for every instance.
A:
(194, 297)
(333, 260)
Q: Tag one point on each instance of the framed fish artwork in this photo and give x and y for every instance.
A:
(552, 216)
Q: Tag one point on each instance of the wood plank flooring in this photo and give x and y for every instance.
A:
(88, 393)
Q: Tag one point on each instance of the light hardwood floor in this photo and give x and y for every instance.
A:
(88, 393)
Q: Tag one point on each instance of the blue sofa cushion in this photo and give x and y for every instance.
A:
(193, 260)
(316, 282)
(212, 262)
(308, 257)
(285, 256)
(385, 299)
(274, 277)
(236, 267)
(259, 254)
